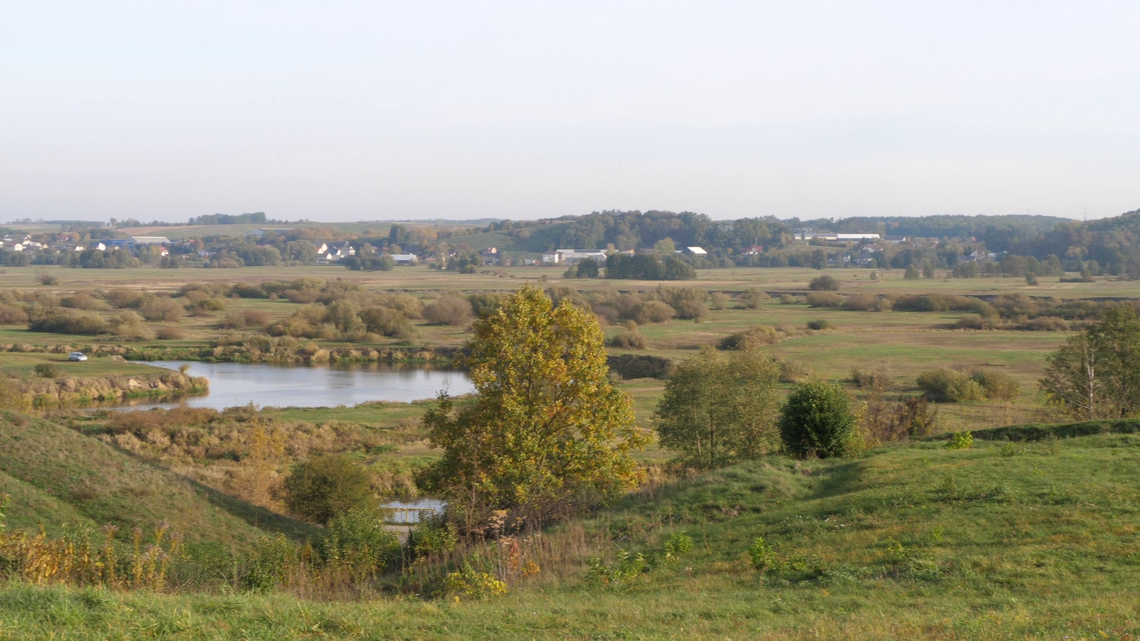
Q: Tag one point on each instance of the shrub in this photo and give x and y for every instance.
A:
(762, 555)
(122, 297)
(1031, 279)
(170, 333)
(997, 385)
(49, 279)
(384, 321)
(877, 379)
(960, 441)
(752, 297)
(358, 542)
(824, 299)
(481, 303)
(240, 319)
(155, 308)
(824, 283)
(629, 339)
(81, 300)
(817, 420)
(718, 300)
(325, 487)
(819, 324)
(12, 315)
(860, 302)
(653, 311)
(689, 302)
(449, 310)
(45, 370)
(793, 372)
(67, 321)
(755, 336)
(945, 385)
(131, 325)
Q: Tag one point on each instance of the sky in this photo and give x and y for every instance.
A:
(339, 111)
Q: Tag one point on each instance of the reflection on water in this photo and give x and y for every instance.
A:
(411, 511)
(236, 384)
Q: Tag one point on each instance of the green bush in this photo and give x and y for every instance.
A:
(358, 542)
(449, 310)
(818, 324)
(322, 488)
(960, 441)
(752, 297)
(945, 385)
(817, 420)
(997, 385)
(45, 370)
(755, 336)
(824, 283)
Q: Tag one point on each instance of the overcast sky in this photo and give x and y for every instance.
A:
(406, 110)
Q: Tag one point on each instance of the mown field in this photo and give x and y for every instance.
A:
(1007, 540)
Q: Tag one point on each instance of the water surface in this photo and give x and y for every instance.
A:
(236, 384)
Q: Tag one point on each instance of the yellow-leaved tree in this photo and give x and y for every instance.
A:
(547, 434)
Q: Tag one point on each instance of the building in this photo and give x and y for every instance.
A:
(575, 256)
(336, 253)
(754, 250)
(405, 259)
(696, 251)
(856, 237)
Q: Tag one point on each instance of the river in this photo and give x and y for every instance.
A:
(236, 384)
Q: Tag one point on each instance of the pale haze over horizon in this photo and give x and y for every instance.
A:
(379, 111)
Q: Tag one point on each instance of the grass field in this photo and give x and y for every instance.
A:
(1002, 541)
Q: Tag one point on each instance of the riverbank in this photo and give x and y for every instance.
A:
(46, 380)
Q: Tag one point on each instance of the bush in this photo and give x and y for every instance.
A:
(325, 487)
(358, 542)
(824, 283)
(718, 300)
(752, 297)
(877, 379)
(819, 324)
(817, 420)
(688, 302)
(824, 299)
(12, 315)
(653, 311)
(49, 279)
(170, 333)
(81, 300)
(755, 336)
(997, 385)
(449, 310)
(241, 319)
(66, 321)
(155, 308)
(960, 441)
(793, 372)
(45, 370)
(122, 297)
(629, 339)
(945, 385)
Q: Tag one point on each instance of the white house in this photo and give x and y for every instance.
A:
(575, 256)
(696, 251)
(551, 258)
(405, 259)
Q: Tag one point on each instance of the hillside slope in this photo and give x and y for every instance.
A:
(1003, 541)
(56, 476)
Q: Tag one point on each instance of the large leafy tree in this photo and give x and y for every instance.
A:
(1096, 374)
(547, 433)
(720, 408)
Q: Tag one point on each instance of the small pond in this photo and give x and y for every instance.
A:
(236, 384)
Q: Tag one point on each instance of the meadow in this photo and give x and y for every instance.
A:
(1008, 539)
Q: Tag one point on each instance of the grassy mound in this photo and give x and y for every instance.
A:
(57, 476)
(1005, 540)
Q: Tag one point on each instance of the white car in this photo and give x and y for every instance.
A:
(77, 356)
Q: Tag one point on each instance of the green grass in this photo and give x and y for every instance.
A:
(1006, 540)
(63, 475)
(23, 364)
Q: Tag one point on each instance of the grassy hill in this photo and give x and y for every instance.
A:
(1005, 540)
(56, 476)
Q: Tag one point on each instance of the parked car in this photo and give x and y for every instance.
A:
(77, 356)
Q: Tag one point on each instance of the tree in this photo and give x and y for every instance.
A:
(817, 420)
(719, 408)
(587, 268)
(664, 247)
(928, 270)
(1096, 374)
(548, 433)
(327, 486)
(911, 272)
(824, 284)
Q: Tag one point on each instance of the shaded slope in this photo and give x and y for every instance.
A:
(50, 465)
